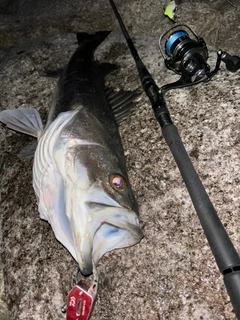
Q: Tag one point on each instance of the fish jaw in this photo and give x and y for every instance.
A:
(111, 231)
(98, 224)
(115, 232)
(109, 226)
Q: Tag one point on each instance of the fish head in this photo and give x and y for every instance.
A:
(83, 191)
(99, 204)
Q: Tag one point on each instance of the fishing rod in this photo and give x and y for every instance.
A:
(187, 57)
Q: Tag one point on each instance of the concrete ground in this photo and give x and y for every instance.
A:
(171, 274)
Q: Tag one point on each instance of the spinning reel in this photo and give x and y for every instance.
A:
(186, 54)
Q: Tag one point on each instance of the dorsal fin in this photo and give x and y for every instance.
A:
(122, 102)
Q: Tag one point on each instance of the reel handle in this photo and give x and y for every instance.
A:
(232, 62)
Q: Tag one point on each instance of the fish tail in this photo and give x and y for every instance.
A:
(91, 41)
(27, 121)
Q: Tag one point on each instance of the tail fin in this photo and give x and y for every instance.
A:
(24, 120)
(91, 41)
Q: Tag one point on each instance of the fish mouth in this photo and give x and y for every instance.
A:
(108, 228)
(110, 236)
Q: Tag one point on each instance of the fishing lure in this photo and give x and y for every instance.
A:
(171, 7)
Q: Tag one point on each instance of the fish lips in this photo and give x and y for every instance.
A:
(107, 228)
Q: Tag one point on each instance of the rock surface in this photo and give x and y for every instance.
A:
(171, 274)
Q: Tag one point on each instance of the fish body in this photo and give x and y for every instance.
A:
(79, 171)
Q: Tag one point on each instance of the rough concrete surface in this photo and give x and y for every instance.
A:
(171, 274)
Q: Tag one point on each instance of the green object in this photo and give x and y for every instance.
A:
(169, 10)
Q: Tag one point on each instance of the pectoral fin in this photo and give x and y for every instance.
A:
(27, 121)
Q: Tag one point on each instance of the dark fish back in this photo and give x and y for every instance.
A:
(81, 84)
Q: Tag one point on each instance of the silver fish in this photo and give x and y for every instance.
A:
(79, 171)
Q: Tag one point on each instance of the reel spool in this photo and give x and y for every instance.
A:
(185, 53)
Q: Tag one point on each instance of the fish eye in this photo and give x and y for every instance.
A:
(117, 182)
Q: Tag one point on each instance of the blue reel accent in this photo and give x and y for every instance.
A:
(176, 35)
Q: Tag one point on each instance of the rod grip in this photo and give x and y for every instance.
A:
(223, 250)
(218, 239)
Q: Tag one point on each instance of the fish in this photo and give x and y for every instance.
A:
(79, 169)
